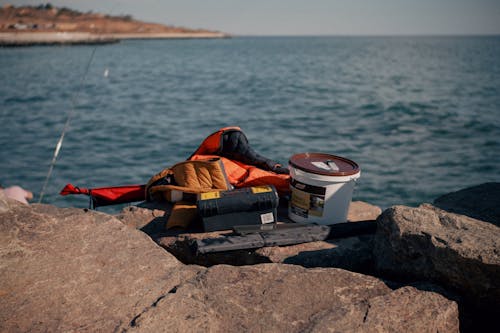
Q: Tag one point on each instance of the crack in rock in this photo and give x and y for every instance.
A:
(134, 323)
(366, 313)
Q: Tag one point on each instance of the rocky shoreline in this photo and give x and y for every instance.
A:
(432, 268)
(52, 38)
(8, 39)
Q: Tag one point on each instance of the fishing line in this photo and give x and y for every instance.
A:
(72, 111)
(66, 124)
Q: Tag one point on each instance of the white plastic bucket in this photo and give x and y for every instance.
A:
(321, 187)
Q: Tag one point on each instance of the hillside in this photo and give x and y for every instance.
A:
(46, 20)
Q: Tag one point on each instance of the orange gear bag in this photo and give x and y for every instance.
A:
(240, 174)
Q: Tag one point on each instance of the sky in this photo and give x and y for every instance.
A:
(306, 17)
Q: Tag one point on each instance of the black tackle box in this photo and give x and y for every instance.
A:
(222, 210)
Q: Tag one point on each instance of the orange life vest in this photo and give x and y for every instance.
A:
(213, 143)
(238, 173)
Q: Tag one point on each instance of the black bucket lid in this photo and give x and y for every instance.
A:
(324, 164)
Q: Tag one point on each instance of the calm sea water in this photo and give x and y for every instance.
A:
(420, 115)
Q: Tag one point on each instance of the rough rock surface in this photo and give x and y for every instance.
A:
(456, 251)
(150, 219)
(398, 311)
(481, 202)
(288, 298)
(362, 211)
(68, 270)
(76, 270)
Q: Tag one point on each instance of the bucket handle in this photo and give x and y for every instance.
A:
(331, 164)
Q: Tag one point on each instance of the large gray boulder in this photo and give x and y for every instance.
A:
(73, 270)
(456, 251)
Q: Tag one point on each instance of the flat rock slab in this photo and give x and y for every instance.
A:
(453, 250)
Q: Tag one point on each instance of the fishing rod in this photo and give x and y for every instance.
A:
(66, 125)
(70, 115)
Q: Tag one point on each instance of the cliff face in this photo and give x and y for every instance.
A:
(46, 18)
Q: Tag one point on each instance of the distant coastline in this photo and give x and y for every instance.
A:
(71, 38)
(48, 25)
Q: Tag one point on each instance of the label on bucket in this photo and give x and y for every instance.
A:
(307, 199)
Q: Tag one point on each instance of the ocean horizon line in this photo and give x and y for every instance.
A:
(365, 35)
